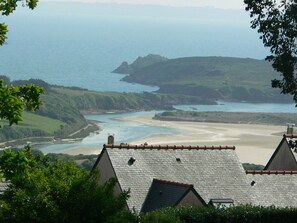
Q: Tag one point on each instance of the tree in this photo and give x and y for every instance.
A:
(277, 25)
(13, 100)
(42, 191)
(6, 8)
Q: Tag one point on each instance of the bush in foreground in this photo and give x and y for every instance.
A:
(42, 191)
(238, 214)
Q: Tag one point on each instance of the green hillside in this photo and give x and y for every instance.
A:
(61, 115)
(93, 101)
(218, 78)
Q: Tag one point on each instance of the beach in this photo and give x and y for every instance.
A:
(254, 143)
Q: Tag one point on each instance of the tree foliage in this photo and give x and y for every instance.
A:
(13, 100)
(6, 8)
(277, 24)
(236, 214)
(42, 191)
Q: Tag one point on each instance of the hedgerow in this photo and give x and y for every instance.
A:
(238, 214)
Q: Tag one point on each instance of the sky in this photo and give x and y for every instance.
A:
(226, 4)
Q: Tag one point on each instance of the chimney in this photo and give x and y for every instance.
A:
(290, 128)
(110, 139)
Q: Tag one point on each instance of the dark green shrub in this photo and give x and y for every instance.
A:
(238, 214)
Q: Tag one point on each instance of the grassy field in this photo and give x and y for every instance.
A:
(34, 121)
(41, 122)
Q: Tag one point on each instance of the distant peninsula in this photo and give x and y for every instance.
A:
(214, 78)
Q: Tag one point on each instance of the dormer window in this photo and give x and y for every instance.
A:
(221, 202)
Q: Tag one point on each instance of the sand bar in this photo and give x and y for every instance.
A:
(254, 143)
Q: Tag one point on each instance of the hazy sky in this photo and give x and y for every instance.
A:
(234, 4)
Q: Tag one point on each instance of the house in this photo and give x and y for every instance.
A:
(285, 155)
(273, 187)
(199, 175)
(164, 193)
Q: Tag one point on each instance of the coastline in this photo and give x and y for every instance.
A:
(254, 143)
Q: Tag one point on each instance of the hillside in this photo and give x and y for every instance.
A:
(100, 102)
(61, 115)
(216, 78)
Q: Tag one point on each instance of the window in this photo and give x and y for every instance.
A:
(221, 203)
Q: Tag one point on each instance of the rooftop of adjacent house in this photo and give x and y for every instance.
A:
(214, 171)
(285, 155)
(274, 187)
(292, 138)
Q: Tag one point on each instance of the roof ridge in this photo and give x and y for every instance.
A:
(173, 182)
(273, 172)
(158, 147)
(292, 136)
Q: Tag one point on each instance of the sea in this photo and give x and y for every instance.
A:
(79, 44)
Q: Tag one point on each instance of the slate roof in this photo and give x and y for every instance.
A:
(284, 157)
(165, 193)
(273, 187)
(215, 172)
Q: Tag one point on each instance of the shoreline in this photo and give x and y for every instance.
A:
(254, 143)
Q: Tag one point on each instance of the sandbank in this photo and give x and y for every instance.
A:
(254, 143)
(83, 150)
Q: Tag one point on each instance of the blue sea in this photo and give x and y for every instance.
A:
(79, 44)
